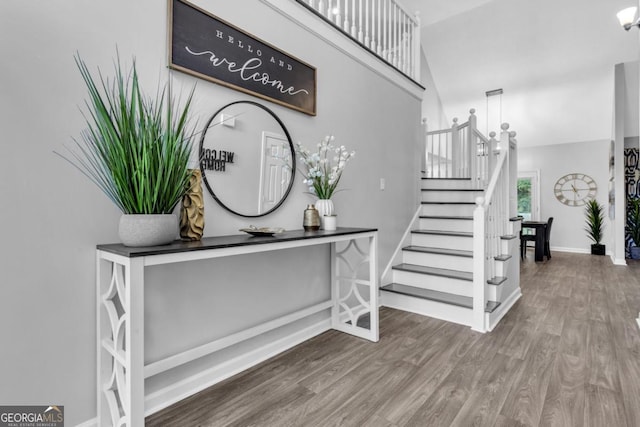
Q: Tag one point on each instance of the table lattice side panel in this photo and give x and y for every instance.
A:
(116, 348)
(355, 288)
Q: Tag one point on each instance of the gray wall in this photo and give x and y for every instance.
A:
(555, 161)
(52, 217)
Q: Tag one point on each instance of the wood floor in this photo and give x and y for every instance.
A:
(567, 354)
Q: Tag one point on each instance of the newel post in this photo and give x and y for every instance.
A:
(423, 158)
(455, 150)
(472, 155)
(479, 275)
(492, 150)
(416, 47)
(513, 175)
(505, 149)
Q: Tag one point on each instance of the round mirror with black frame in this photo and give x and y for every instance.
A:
(247, 159)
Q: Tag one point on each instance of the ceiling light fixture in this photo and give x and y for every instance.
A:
(627, 18)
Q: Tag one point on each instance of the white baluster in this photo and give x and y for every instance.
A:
(345, 25)
(379, 23)
(416, 49)
(368, 41)
(393, 27)
(321, 8)
(338, 11)
(384, 27)
(403, 40)
(360, 16)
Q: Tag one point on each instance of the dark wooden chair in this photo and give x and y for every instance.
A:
(525, 238)
(547, 238)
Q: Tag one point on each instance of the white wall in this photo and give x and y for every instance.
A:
(554, 60)
(431, 104)
(555, 161)
(52, 217)
(631, 91)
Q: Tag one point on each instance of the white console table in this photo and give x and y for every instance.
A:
(120, 306)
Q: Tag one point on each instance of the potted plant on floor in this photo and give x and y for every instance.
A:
(594, 213)
(633, 227)
(136, 149)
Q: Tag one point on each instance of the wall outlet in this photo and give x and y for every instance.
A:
(383, 183)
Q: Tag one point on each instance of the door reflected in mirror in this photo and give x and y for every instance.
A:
(247, 159)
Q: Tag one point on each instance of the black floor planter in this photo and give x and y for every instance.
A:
(597, 249)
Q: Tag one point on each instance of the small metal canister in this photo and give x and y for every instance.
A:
(311, 220)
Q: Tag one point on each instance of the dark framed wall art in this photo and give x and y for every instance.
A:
(206, 46)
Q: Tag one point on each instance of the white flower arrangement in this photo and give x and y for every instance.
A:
(324, 167)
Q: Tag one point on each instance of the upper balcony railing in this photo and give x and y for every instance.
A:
(382, 26)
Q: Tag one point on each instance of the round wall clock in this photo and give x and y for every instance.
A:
(575, 189)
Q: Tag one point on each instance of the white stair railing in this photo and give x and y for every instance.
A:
(384, 27)
(458, 152)
(491, 222)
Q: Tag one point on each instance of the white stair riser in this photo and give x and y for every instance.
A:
(440, 241)
(438, 310)
(501, 268)
(446, 224)
(449, 262)
(435, 283)
(445, 183)
(450, 196)
(507, 246)
(495, 293)
(447, 209)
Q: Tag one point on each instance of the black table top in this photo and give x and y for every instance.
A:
(219, 242)
(533, 223)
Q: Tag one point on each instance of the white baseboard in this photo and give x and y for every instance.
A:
(180, 390)
(496, 316)
(572, 250)
(93, 422)
(616, 261)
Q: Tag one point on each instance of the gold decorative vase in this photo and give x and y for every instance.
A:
(192, 211)
(311, 219)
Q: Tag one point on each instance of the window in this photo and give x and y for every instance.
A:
(529, 195)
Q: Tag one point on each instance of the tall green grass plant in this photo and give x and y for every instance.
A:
(594, 213)
(135, 149)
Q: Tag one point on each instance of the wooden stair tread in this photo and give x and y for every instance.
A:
(466, 218)
(433, 271)
(437, 296)
(445, 233)
(440, 251)
(453, 189)
(448, 203)
(442, 179)
(497, 281)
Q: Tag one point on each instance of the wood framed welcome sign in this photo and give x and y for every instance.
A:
(205, 46)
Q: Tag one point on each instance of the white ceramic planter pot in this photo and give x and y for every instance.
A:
(147, 230)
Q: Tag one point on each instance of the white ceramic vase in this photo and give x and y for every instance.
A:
(147, 229)
(325, 208)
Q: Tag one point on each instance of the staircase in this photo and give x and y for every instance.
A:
(459, 259)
